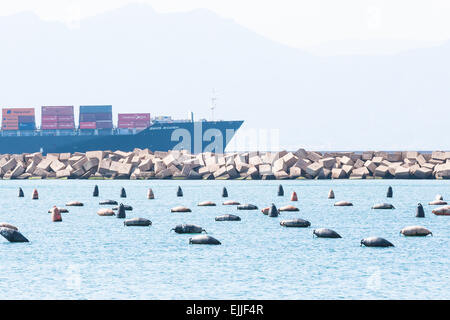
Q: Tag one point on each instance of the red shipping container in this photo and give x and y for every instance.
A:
(10, 128)
(57, 110)
(134, 116)
(88, 125)
(18, 112)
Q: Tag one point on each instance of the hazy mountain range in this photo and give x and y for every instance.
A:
(167, 64)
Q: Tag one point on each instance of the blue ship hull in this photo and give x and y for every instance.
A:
(193, 136)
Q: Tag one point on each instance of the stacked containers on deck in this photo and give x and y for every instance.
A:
(137, 121)
(96, 117)
(57, 118)
(18, 119)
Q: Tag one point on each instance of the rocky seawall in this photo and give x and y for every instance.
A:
(302, 164)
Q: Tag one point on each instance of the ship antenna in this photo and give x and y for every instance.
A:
(213, 103)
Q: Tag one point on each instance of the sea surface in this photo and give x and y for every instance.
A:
(92, 257)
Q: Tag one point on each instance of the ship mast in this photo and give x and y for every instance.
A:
(213, 104)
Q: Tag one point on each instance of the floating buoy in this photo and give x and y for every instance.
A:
(247, 207)
(442, 211)
(383, 206)
(420, 213)
(123, 193)
(415, 231)
(203, 239)
(389, 193)
(7, 225)
(228, 217)
(150, 194)
(294, 196)
(295, 223)
(179, 192)
(224, 193)
(188, 228)
(35, 195)
(105, 212)
(12, 235)
(288, 208)
(74, 204)
(376, 242)
(180, 209)
(273, 212)
(231, 203)
(437, 203)
(125, 206)
(137, 222)
(439, 197)
(206, 204)
(108, 202)
(280, 191)
(331, 194)
(343, 204)
(21, 195)
(56, 215)
(326, 233)
(121, 212)
(95, 193)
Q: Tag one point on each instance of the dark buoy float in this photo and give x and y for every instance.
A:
(376, 242)
(280, 191)
(123, 193)
(383, 206)
(420, 213)
(179, 192)
(95, 193)
(295, 223)
(121, 212)
(150, 194)
(325, 233)
(273, 212)
(228, 217)
(247, 207)
(204, 239)
(415, 231)
(12, 235)
(188, 228)
(21, 195)
(389, 192)
(224, 193)
(137, 222)
(331, 194)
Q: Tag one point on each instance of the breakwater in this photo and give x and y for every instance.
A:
(302, 164)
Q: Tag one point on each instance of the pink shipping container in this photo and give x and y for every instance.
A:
(134, 116)
(66, 118)
(125, 125)
(88, 125)
(49, 126)
(66, 125)
(57, 110)
(49, 119)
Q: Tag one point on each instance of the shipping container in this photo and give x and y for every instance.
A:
(49, 119)
(27, 126)
(103, 116)
(18, 112)
(66, 118)
(49, 126)
(66, 125)
(125, 125)
(104, 124)
(87, 117)
(26, 119)
(88, 125)
(134, 116)
(57, 110)
(96, 109)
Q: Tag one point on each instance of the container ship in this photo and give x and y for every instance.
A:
(96, 131)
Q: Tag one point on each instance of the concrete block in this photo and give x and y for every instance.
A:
(57, 165)
(371, 166)
(301, 153)
(18, 170)
(279, 175)
(295, 172)
(313, 169)
(438, 155)
(302, 163)
(103, 166)
(423, 173)
(91, 163)
(347, 169)
(279, 165)
(314, 156)
(338, 173)
(159, 166)
(367, 155)
(289, 159)
(394, 157)
(346, 161)
(401, 173)
(361, 172)
(358, 164)
(220, 172)
(242, 167)
(95, 155)
(328, 163)
(421, 160)
(377, 160)
(265, 169)
(9, 165)
(255, 161)
(79, 164)
(381, 171)
(411, 155)
(146, 165)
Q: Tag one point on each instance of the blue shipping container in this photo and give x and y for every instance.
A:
(27, 126)
(96, 109)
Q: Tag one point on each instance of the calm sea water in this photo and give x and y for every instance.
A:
(92, 257)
